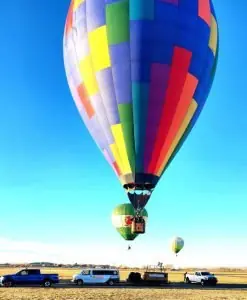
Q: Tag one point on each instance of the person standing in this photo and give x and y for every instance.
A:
(185, 276)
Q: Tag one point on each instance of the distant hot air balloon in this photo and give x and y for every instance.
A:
(122, 217)
(177, 244)
(140, 73)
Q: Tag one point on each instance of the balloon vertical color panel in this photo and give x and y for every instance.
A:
(140, 72)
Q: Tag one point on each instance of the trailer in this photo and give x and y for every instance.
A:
(148, 278)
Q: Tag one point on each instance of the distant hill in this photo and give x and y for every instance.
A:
(122, 267)
(42, 264)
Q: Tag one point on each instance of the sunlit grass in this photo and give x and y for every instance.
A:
(117, 294)
(173, 276)
(84, 293)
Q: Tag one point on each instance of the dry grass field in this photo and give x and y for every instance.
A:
(66, 274)
(99, 293)
(117, 294)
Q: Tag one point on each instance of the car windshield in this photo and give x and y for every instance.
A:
(85, 272)
(205, 273)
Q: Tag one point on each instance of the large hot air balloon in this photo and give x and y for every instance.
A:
(140, 72)
(177, 244)
(122, 218)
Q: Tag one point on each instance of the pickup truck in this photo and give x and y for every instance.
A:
(29, 277)
(202, 277)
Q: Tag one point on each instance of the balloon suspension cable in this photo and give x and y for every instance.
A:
(138, 212)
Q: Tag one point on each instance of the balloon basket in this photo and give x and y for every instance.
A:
(138, 225)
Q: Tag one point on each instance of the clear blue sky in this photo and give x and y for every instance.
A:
(56, 187)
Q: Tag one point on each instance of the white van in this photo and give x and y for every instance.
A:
(97, 276)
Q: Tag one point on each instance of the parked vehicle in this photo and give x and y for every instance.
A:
(29, 277)
(202, 277)
(97, 276)
(149, 278)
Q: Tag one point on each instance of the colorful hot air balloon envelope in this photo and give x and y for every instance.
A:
(122, 217)
(177, 244)
(140, 72)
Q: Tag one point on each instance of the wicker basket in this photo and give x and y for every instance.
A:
(138, 226)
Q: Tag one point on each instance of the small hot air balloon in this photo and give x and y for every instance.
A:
(122, 218)
(177, 245)
(140, 73)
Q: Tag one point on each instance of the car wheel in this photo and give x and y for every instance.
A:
(47, 283)
(79, 282)
(8, 284)
(202, 282)
(187, 280)
(111, 282)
